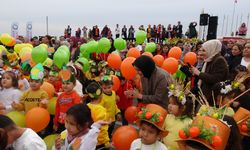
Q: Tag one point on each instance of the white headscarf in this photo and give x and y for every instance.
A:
(212, 47)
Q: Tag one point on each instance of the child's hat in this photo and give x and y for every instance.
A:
(155, 115)
(241, 117)
(94, 90)
(25, 66)
(48, 63)
(53, 73)
(208, 131)
(67, 76)
(36, 72)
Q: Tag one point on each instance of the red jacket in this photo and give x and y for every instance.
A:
(124, 102)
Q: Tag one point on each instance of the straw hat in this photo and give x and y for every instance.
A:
(154, 114)
(241, 117)
(208, 131)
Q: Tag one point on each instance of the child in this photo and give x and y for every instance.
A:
(21, 138)
(53, 78)
(79, 134)
(109, 102)
(124, 102)
(180, 110)
(35, 96)
(151, 128)
(9, 93)
(68, 98)
(98, 112)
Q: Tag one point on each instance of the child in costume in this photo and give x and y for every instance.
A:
(98, 112)
(54, 79)
(68, 98)
(109, 102)
(35, 96)
(80, 132)
(151, 121)
(10, 92)
(180, 109)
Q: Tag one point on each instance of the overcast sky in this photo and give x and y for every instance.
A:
(78, 13)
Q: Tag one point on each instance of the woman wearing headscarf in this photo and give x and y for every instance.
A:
(214, 70)
(154, 82)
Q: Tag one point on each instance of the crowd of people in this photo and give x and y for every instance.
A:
(203, 110)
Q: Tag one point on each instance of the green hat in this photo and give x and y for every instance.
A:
(25, 66)
(53, 73)
(94, 90)
(36, 72)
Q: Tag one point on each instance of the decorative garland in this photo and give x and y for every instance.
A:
(199, 132)
(152, 117)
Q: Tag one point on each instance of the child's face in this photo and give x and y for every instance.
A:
(173, 108)
(107, 89)
(68, 86)
(6, 81)
(52, 79)
(71, 125)
(148, 134)
(235, 50)
(165, 49)
(35, 84)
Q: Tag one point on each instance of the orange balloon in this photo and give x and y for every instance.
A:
(158, 59)
(190, 58)
(148, 54)
(114, 60)
(133, 52)
(170, 65)
(12, 43)
(26, 56)
(130, 114)
(123, 137)
(49, 89)
(37, 119)
(127, 69)
(116, 82)
(175, 52)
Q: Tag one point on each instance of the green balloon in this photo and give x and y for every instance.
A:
(140, 37)
(103, 45)
(64, 48)
(83, 48)
(39, 54)
(179, 74)
(84, 63)
(92, 46)
(120, 44)
(150, 47)
(17, 117)
(60, 58)
(52, 106)
(50, 141)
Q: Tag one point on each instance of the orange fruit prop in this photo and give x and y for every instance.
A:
(130, 114)
(133, 52)
(114, 60)
(123, 137)
(127, 69)
(175, 52)
(148, 54)
(116, 82)
(170, 65)
(49, 89)
(37, 119)
(158, 59)
(190, 58)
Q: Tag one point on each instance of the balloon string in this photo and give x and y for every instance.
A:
(234, 99)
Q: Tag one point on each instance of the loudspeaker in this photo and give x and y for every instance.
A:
(204, 19)
(212, 28)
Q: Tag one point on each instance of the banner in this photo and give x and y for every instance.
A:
(29, 30)
(14, 29)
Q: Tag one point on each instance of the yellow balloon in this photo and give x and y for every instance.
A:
(50, 141)
(23, 50)
(52, 106)
(17, 117)
(2, 48)
(17, 48)
(28, 45)
(5, 38)
(44, 45)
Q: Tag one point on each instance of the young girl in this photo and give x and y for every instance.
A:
(180, 109)
(9, 93)
(80, 132)
(151, 121)
(98, 112)
(67, 99)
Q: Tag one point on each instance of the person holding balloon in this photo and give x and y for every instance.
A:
(20, 138)
(35, 96)
(9, 92)
(68, 98)
(154, 82)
